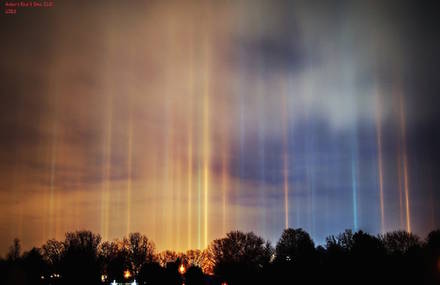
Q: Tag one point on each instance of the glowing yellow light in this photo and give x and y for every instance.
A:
(206, 131)
(189, 175)
(182, 269)
(127, 274)
(190, 140)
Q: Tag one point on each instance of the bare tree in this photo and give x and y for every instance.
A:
(52, 251)
(140, 250)
(14, 250)
(400, 241)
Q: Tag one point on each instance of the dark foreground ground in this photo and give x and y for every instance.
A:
(239, 258)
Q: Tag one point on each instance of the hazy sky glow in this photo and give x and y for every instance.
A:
(186, 119)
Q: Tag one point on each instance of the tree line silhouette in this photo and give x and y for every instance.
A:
(396, 257)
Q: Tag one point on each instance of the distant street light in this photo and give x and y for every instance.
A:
(127, 274)
(182, 269)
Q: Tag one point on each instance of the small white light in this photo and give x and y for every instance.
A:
(134, 282)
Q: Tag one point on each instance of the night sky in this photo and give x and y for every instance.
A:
(187, 119)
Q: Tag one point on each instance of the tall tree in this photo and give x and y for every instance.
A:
(34, 266)
(295, 245)
(52, 252)
(140, 250)
(80, 258)
(240, 257)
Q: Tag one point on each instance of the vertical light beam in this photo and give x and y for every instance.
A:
(354, 177)
(206, 135)
(225, 184)
(379, 160)
(53, 162)
(399, 184)
(129, 182)
(206, 162)
(105, 197)
(190, 124)
(405, 162)
(285, 163)
(396, 101)
(189, 177)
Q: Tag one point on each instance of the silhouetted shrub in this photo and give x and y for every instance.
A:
(194, 276)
